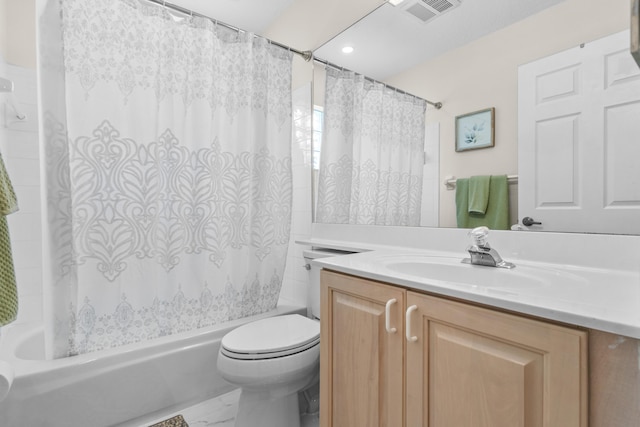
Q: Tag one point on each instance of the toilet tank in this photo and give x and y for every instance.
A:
(313, 283)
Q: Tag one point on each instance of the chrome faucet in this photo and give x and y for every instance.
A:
(483, 254)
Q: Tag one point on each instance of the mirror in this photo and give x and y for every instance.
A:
(468, 59)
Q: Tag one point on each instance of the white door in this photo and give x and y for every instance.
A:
(579, 139)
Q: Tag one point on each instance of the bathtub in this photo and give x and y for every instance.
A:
(126, 386)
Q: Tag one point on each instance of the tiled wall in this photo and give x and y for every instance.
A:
(294, 287)
(19, 147)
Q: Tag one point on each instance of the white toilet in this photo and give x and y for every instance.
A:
(273, 359)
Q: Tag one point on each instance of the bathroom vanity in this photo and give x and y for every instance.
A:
(510, 370)
(417, 338)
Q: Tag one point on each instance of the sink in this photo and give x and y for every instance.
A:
(452, 270)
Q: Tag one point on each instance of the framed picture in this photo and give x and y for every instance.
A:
(475, 130)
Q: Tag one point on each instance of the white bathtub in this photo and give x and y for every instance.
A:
(125, 386)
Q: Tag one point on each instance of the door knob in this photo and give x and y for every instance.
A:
(528, 221)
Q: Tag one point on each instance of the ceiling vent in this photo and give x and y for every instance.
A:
(426, 10)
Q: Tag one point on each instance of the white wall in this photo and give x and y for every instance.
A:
(483, 74)
(3, 28)
(19, 147)
(18, 32)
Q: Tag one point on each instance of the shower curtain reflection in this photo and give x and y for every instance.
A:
(372, 158)
(167, 172)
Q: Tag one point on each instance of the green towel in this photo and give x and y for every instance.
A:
(8, 290)
(496, 216)
(479, 194)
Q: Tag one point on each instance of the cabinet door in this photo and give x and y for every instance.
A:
(361, 363)
(475, 367)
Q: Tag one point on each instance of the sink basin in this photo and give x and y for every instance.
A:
(452, 270)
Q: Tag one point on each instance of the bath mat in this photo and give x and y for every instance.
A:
(176, 421)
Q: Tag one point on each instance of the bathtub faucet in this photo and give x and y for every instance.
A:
(482, 253)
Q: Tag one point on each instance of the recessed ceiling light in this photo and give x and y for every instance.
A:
(347, 49)
(395, 2)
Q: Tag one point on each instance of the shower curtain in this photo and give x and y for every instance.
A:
(166, 172)
(372, 157)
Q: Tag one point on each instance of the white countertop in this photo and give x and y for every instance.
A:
(595, 298)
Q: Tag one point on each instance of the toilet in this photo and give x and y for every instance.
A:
(273, 359)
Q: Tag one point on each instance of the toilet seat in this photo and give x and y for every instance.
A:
(271, 338)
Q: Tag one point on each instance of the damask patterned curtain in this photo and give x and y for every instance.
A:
(167, 172)
(372, 159)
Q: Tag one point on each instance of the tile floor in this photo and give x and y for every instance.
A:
(221, 412)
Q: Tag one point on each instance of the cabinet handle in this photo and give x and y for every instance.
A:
(387, 316)
(409, 335)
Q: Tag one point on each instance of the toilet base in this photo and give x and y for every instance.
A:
(261, 408)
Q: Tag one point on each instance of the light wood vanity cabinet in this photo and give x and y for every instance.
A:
(448, 364)
(361, 364)
(473, 366)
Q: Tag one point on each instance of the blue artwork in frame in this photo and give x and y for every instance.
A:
(475, 130)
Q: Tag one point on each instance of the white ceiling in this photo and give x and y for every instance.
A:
(250, 15)
(389, 40)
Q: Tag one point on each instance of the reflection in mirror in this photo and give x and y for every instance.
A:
(380, 164)
(587, 148)
(372, 158)
(471, 64)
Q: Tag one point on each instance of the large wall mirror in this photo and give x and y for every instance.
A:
(469, 59)
(467, 55)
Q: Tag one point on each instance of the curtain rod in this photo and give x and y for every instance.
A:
(437, 105)
(306, 54)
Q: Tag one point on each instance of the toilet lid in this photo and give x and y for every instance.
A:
(272, 337)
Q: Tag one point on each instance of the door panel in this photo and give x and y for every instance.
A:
(578, 117)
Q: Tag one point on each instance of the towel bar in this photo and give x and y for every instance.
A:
(450, 181)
